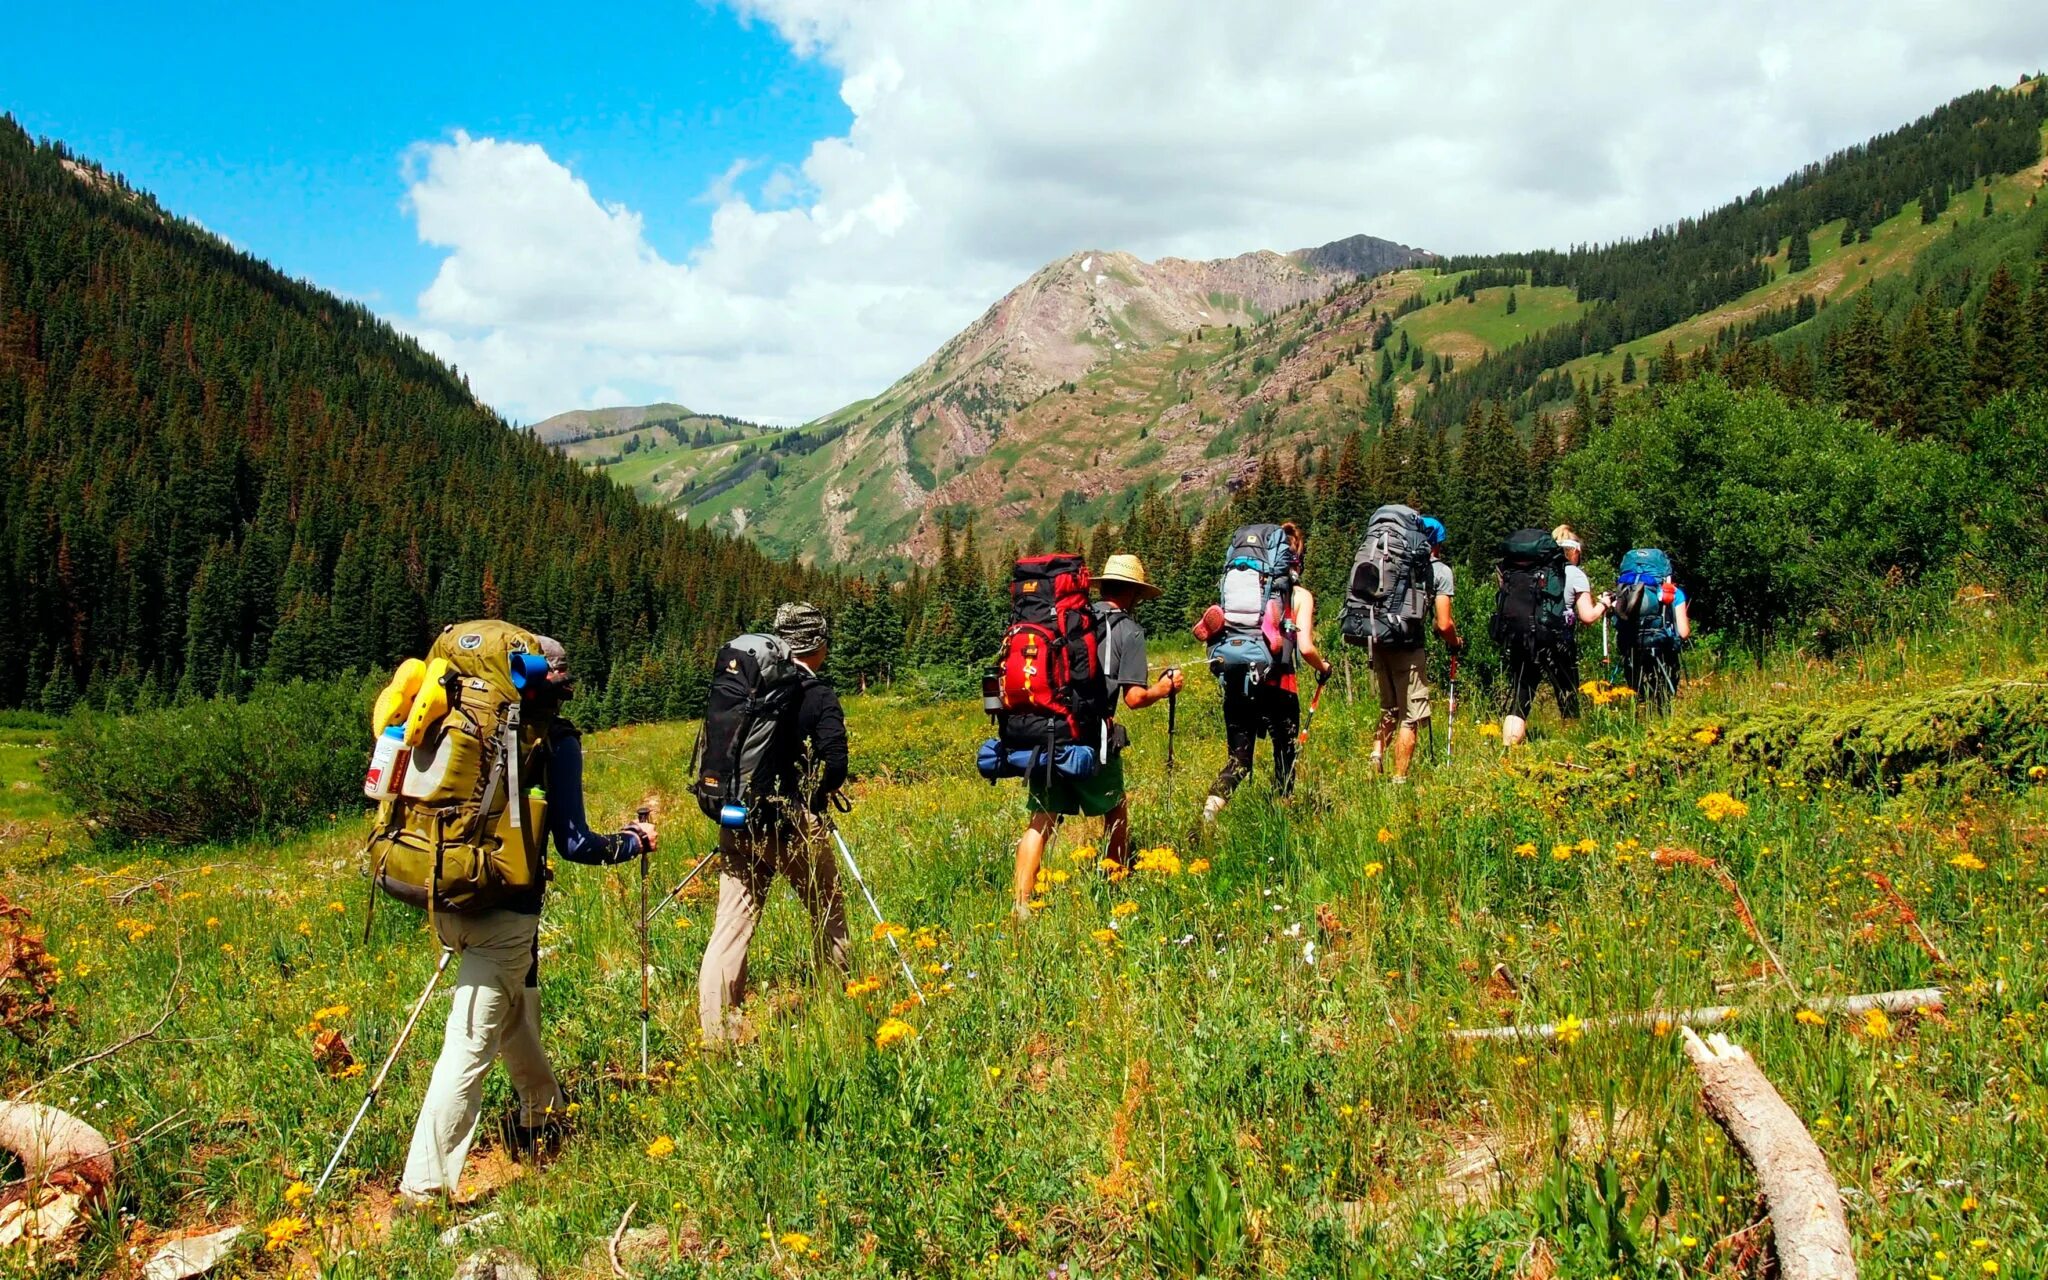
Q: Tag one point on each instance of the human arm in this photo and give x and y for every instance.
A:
(1681, 619)
(1137, 696)
(1447, 626)
(822, 723)
(1305, 632)
(567, 822)
(1590, 608)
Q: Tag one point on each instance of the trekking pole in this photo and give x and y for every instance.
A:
(683, 884)
(377, 1085)
(880, 920)
(1308, 721)
(1451, 714)
(645, 814)
(1172, 708)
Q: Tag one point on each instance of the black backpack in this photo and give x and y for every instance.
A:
(1529, 613)
(755, 687)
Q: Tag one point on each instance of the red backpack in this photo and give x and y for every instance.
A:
(1049, 669)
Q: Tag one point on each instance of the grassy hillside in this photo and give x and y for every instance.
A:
(1192, 411)
(1236, 1063)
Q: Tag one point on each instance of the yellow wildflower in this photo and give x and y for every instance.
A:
(796, 1242)
(893, 1031)
(213, 922)
(2037, 772)
(1160, 861)
(1810, 1018)
(1198, 866)
(1526, 849)
(661, 1148)
(1966, 861)
(336, 908)
(1489, 730)
(1104, 936)
(1386, 836)
(1561, 852)
(884, 930)
(1122, 909)
(1707, 735)
(1086, 853)
(1587, 846)
(1058, 877)
(1569, 1031)
(1374, 868)
(905, 1005)
(863, 986)
(1876, 1025)
(296, 1193)
(281, 1232)
(1719, 805)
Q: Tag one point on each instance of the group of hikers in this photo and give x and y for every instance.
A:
(478, 770)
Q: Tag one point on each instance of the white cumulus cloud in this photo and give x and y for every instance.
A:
(988, 139)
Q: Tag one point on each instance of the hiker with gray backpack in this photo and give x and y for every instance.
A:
(771, 757)
(1259, 633)
(1400, 590)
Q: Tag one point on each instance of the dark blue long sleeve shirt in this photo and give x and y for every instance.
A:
(558, 765)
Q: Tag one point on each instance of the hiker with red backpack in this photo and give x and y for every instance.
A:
(1261, 631)
(1066, 664)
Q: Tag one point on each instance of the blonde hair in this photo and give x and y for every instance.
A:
(1563, 534)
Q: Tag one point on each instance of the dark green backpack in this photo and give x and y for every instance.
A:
(1529, 611)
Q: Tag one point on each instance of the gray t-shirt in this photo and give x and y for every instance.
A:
(1576, 584)
(1440, 580)
(1123, 652)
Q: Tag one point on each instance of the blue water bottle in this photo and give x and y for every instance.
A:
(732, 814)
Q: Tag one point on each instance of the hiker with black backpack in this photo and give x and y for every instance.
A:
(1055, 794)
(1260, 633)
(1541, 598)
(771, 757)
(1400, 590)
(1652, 622)
(492, 771)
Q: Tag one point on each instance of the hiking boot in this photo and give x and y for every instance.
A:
(531, 1144)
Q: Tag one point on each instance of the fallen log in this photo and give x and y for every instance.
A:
(1913, 1000)
(1810, 1234)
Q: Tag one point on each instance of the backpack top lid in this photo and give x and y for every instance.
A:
(1262, 547)
(1646, 565)
(486, 650)
(1398, 513)
(1529, 549)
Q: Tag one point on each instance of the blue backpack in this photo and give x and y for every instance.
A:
(1643, 617)
(1257, 640)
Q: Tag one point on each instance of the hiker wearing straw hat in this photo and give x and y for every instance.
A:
(1120, 587)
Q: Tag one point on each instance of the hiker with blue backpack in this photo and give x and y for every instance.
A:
(1260, 633)
(1401, 590)
(1652, 622)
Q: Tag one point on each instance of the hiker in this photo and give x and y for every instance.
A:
(1652, 622)
(1401, 588)
(1268, 629)
(800, 764)
(1119, 588)
(496, 1007)
(1543, 598)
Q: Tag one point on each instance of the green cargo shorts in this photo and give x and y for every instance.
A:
(1089, 797)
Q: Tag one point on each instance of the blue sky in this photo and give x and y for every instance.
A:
(534, 190)
(285, 127)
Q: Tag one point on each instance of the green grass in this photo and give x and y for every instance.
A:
(1469, 329)
(1065, 1098)
(23, 797)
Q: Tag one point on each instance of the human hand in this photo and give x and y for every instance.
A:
(644, 832)
(1173, 680)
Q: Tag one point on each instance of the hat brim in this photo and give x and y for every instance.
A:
(1145, 589)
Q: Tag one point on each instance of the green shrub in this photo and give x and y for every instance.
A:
(290, 754)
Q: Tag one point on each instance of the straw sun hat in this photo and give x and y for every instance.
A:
(1131, 570)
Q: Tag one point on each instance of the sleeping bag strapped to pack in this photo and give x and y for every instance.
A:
(1645, 600)
(1529, 613)
(458, 830)
(1256, 641)
(1388, 599)
(755, 686)
(1047, 690)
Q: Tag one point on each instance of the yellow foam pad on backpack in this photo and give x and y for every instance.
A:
(431, 703)
(397, 697)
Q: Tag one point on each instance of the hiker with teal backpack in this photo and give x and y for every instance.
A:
(1260, 632)
(1400, 591)
(1652, 622)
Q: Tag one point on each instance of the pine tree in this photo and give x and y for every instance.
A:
(1628, 367)
(1996, 356)
(1511, 302)
(1799, 252)
(2037, 322)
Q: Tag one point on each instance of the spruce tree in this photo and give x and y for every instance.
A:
(1799, 252)
(1628, 367)
(1996, 356)
(1511, 302)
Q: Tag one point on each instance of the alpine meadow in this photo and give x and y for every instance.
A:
(1666, 899)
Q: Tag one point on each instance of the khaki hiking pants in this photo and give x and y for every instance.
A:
(496, 1011)
(799, 851)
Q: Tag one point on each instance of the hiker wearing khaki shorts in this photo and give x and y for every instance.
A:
(1402, 674)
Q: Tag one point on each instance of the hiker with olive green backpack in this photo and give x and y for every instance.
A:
(485, 770)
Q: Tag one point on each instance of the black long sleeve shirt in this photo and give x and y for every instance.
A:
(558, 763)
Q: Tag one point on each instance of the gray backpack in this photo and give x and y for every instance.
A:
(755, 685)
(1391, 587)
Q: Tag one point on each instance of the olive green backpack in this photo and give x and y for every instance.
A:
(463, 834)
